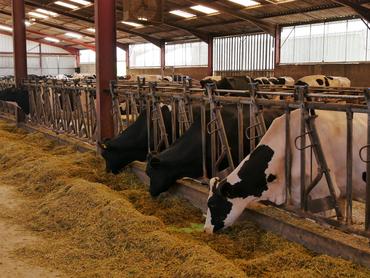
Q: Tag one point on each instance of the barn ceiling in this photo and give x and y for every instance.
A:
(230, 19)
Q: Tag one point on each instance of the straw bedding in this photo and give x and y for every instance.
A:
(91, 230)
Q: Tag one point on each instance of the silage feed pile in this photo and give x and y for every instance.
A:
(99, 225)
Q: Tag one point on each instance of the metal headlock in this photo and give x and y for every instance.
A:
(56, 105)
(367, 208)
(116, 113)
(257, 127)
(308, 127)
(216, 120)
(158, 121)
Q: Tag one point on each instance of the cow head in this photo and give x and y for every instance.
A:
(161, 177)
(228, 198)
(116, 158)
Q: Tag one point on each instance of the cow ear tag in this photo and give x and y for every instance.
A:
(102, 145)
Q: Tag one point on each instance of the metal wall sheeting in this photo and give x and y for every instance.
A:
(51, 62)
(246, 54)
(339, 41)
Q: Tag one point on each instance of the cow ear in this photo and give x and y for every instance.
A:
(213, 182)
(223, 189)
(153, 160)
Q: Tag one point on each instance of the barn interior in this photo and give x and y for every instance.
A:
(103, 101)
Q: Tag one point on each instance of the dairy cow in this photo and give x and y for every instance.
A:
(184, 157)
(132, 143)
(260, 176)
(324, 81)
(262, 81)
(20, 96)
(228, 83)
(283, 80)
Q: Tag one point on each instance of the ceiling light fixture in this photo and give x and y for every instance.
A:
(38, 15)
(66, 5)
(81, 2)
(51, 39)
(73, 35)
(246, 3)
(204, 9)
(6, 28)
(46, 12)
(134, 24)
(27, 23)
(182, 13)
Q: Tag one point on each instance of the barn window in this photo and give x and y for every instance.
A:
(145, 55)
(87, 60)
(339, 41)
(186, 54)
(251, 54)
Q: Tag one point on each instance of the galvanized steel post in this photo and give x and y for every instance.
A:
(210, 56)
(19, 42)
(106, 68)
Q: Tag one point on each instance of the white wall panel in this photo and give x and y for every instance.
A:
(8, 71)
(6, 43)
(33, 47)
(52, 49)
(340, 41)
(67, 62)
(33, 62)
(51, 64)
(242, 53)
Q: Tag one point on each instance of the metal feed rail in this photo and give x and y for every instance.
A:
(68, 107)
(350, 102)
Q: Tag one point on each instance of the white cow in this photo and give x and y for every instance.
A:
(324, 81)
(260, 176)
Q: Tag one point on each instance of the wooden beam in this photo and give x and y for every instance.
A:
(266, 27)
(360, 10)
(148, 38)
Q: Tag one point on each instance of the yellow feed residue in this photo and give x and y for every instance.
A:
(99, 225)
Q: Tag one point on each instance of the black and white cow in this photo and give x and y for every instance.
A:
(184, 157)
(228, 83)
(263, 81)
(324, 81)
(260, 176)
(282, 80)
(20, 96)
(132, 143)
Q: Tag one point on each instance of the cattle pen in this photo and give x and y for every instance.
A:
(68, 109)
(193, 138)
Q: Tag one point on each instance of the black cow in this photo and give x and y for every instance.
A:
(184, 157)
(20, 96)
(132, 143)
